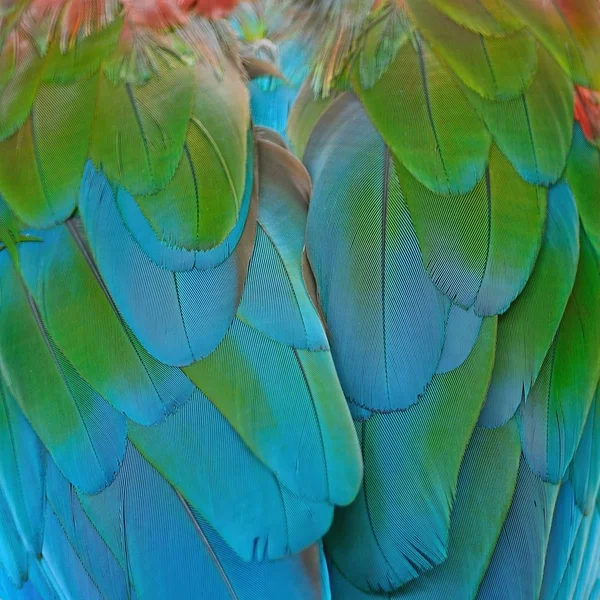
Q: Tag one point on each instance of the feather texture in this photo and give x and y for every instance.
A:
(381, 309)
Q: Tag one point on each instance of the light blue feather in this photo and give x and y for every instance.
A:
(179, 317)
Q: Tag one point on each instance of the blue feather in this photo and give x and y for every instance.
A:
(200, 454)
(179, 317)
(22, 471)
(171, 552)
(385, 318)
(516, 568)
(565, 525)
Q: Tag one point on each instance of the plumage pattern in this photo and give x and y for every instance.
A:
(362, 366)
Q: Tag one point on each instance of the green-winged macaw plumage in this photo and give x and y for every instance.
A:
(299, 300)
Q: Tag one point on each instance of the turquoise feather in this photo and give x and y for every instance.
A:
(384, 316)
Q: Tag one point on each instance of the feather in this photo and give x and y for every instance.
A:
(533, 130)
(591, 557)
(70, 575)
(585, 468)
(288, 407)
(462, 331)
(494, 67)
(59, 274)
(553, 416)
(82, 558)
(18, 92)
(170, 551)
(142, 148)
(479, 248)
(82, 432)
(583, 176)
(178, 317)
(13, 556)
(565, 526)
(486, 483)
(275, 299)
(34, 158)
(418, 91)
(527, 329)
(201, 203)
(304, 115)
(398, 527)
(384, 316)
(202, 457)
(22, 471)
(569, 31)
(589, 528)
(516, 567)
(487, 17)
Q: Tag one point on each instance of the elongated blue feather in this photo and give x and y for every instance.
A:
(22, 471)
(565, 526)
(170, 552)
(516, 568)
(384, 316)
(13, 557)
(60, 559)
(201, 455)
(86, 546)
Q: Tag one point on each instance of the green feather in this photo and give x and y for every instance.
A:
(534, 129)
(569, 31)
(84, 324)
(84, 435)
(495, 67)
(199, 207)
(554, 414)
(488, 17)
(139, 130)
(527, 329)
(84, 57)
(479, 247)
(39, 182)
(583, 177)
(18, 93)
(418, 109)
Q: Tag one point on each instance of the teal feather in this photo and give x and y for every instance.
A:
(22, 471)
(384, 317)
(201, 456)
